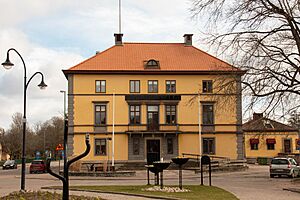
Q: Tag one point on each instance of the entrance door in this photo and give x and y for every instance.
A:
(153, 151)
(153, 123)
(287, 146)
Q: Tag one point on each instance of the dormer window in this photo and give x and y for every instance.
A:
(152, 64)
(268, 124)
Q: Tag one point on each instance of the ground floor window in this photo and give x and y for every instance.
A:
(136, 146)
(271, 144)
(208, 145)
(254, 143)
(100, 147)
(170, 145)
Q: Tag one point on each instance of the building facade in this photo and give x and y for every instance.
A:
(268, 138)
(148, 96)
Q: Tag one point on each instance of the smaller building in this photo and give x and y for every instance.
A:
(267, 138)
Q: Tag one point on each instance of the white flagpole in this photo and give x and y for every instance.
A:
(199, 127)
(119, 16)
(113, 133)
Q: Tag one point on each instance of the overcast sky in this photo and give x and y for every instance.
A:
(52, 35)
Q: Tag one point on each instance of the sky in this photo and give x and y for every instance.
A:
(52, 35)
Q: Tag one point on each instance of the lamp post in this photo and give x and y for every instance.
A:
(8, 65)
(65, 132)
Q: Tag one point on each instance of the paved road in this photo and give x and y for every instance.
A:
(251, 184)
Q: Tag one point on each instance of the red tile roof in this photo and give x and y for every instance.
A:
(171, 57)
(261, 125)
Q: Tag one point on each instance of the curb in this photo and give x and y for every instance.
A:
(297, 190)
(119, 193)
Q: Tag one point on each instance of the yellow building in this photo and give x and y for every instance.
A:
(268, 138)
(146, 94)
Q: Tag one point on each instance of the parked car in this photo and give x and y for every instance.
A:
(10, 164)
(284, 166)
(37, 166)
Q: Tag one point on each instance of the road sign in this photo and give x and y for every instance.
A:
(59, 147)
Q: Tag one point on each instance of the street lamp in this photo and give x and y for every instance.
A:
(8, 65)
(65, 132)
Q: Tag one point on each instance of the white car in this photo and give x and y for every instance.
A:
(284, 166)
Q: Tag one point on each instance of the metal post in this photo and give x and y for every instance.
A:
(209, 171)
(148, 176)
(161, 180)
(180, 177)
(201, 169)
(66, 170)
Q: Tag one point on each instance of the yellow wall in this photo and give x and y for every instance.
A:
(225, 144)
(224, 109)
(262, 146)
(121, 146)
(187, 111)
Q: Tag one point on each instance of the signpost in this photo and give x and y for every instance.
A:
(59, 149)
(205, 160)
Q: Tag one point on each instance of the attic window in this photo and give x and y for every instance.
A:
(268, 124)
(152, 64)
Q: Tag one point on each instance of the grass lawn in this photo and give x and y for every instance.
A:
(196, 191)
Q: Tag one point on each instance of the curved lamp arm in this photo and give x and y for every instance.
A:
(87, 150)
(7, 58)
(49, 170)
(42, 85)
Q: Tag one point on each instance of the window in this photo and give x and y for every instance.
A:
(152, 86)
(100, 147)
(136, 146)
(170, 86)
(100, 114)
(152, 64)
(101, 86)
(170, 145)
(208, 114)
(270, 146)
(208, 145)
(134, 114)
(207, 86)
(134, 86)
(271, 143)
(254, 146)
(254, 143)
(170, 114)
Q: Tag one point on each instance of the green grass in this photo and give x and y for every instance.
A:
(197, 192)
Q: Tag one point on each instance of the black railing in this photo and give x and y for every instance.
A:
(158, 127)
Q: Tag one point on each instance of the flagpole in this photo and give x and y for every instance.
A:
(119, 16)
(199, 127)
(113, 133)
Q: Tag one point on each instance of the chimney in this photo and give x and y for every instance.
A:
(118, 38)
(188, 39)
(257, 116)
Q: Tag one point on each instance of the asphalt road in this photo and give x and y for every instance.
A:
(247, 185)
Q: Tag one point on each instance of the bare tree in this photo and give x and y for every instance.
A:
(262, 37)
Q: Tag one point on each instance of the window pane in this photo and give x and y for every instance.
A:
(153, 108)
(132, 86)
(208, 116)
(137, 86)
(98, 121)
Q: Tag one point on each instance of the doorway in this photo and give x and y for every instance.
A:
(153, 151)
(287, 146)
